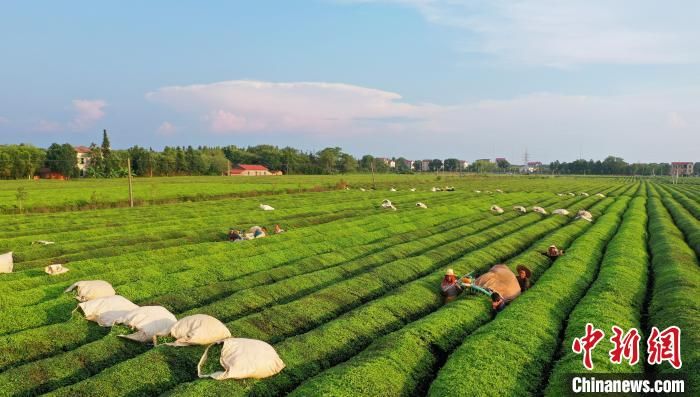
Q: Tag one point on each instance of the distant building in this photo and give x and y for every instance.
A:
(46, 173)
(250, 170)
(409, 164)
(425, 165)
(82, 154)
(531, 167)
(387, 161)
(682, 168)
(483, 161)
(500, 159)
(464, 164)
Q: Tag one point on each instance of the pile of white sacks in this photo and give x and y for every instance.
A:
(241, 358)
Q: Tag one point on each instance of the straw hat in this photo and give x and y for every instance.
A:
(450, 272)
(527, 271)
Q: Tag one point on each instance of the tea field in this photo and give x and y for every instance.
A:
(349, 295)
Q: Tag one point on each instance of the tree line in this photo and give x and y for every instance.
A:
(24, 161)
(613, 166)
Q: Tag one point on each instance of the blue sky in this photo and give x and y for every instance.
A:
(414, 78)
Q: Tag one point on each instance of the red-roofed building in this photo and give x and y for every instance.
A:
(682, 168)
(250, 170)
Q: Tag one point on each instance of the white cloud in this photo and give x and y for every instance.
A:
(566, 33)
(87, 113)
(551, 125)
(48, 126)
(166, 129)
(309, 107)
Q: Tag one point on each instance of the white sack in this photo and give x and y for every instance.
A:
(388, 205)
(149, 322)
(198, 329)
(560, 211)
(540, 210)
(92, 289)
(244, 358)
(496, 209)
(520, 208)
(106, 311)
(266, 207)
(421, 205)
(6, 262)
(585, 215)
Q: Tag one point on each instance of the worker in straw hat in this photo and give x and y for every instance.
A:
(523, 277)
(449, 286)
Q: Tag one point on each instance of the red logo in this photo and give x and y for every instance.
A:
(665, 346)
(661, 346)
(587, 343)
(626, 346)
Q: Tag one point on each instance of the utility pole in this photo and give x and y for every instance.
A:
(228, 162)
(131, 193)
(526, 159)
(373, 185)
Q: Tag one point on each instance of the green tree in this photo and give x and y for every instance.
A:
(106, 154)
(328, 158)
(614, 166)
(483, 166)
(451, 164)
(21, 196)
(195, 165)
(20, 161)
(503, 164)
(402, 166)
(435, 165)
(367, 163)
(62, 159)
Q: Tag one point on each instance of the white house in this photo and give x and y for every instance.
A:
(82, 155)
(387, 161)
